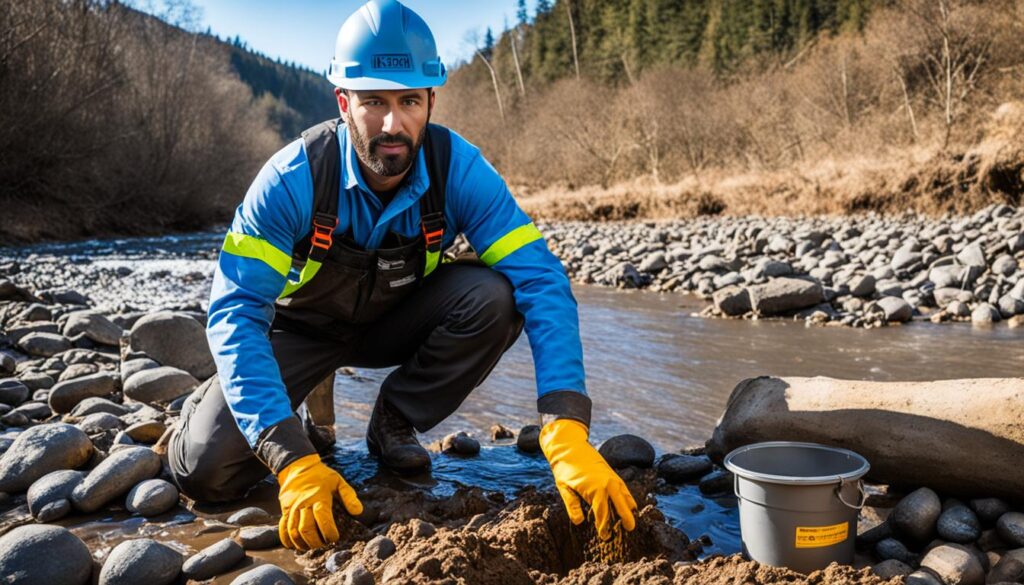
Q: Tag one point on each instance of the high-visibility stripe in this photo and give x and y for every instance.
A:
(307, 274)
(259, 249)
(510, 242)
(432, 259)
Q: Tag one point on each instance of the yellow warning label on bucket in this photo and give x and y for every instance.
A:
(818, 536)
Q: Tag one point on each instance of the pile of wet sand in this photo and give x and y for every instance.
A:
(480, 538)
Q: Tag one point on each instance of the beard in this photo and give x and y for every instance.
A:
(389, 165)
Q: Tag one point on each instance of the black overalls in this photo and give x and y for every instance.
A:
(444, 325)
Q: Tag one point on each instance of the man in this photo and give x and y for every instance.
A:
(333, 260)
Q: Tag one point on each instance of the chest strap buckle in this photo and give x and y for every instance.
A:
(433, 231)
(323, 231)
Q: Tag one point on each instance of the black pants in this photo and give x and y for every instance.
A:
(445, 339)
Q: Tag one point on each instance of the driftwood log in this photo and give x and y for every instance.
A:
(959, 437)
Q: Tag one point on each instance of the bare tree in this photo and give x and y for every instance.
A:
(572, 32)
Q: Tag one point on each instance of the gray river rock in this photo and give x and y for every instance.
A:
(132, 366)
(152, 497)
(141, 562)
(48, 497)
(118, 473)
(159, 385)
(1011, 528)
(13, 392)
(627, 450)
(214, 560)
(44, 344)
(64, 396)
(40, 450)
(95, 326)
(263, 575)
(176, 340)
(250, 516)
(954, 563)
(41, 554)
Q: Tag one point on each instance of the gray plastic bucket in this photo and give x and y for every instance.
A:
(798, 502)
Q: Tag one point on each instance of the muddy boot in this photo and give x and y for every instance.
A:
(393, 439)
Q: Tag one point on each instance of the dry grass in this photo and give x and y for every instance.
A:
(918, 178)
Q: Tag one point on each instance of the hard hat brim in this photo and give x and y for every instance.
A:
(395, 83)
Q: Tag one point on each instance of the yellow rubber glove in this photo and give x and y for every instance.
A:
(308, 489)
(581, 472)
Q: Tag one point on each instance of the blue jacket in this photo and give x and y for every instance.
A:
(277, 213)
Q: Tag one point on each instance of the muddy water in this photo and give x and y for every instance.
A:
(653, 369)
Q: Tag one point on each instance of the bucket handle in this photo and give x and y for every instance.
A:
(860, 488)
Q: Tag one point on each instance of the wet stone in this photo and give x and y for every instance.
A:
(152, 498)
(1010, 527)
(528, 440)
(915, 516)
(40, 450)
(891, 568)
(48, 496)
(263, 575)
(499, 432)
(23, 550)
(959, 524)
(719, 482)
(258, 537)
(34, 410)
(627, 450)
(13, 392)
(380, 547)
(989, 509)
(95, 326)
(953, 563)
(14, 419)
(922, 578)
(141, 561)
(214, 560)
(460, 443)
(683, 468)
(251, 516)
(1009, 568)
(890, 548)
(112, 478)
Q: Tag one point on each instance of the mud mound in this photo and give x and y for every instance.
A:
(734, 569)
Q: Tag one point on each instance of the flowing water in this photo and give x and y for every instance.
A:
(654, 369)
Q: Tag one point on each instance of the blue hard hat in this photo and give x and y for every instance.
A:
(385, 45)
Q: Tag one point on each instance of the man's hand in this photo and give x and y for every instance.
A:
(581, 472)
(308, 489)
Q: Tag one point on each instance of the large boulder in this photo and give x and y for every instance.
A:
(95, 326)
(40, 450)
(40, 554)
(895, 425)
(159, 385)
(174, 339)
(112, 478)
(732, 301)
(64, 396)
(784, 295)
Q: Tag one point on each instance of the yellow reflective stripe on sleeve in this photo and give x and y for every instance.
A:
(510, 242)
(307, 274)
(252, 247)
(432, 259)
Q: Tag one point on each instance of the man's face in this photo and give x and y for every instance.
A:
(383, 125)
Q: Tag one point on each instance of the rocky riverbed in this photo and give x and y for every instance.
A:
(859, 271)
(86, 396)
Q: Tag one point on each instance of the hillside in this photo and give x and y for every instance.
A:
(657, 108)
(144, 127)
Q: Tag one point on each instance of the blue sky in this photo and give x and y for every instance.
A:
(304, 30)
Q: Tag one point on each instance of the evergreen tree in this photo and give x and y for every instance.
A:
(488, 48)
(543, 7)
(521, 14)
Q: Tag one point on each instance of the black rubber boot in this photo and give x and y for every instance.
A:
(392, 438)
